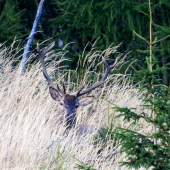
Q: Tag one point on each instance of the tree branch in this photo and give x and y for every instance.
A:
(30, 39)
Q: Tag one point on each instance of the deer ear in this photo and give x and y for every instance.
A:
(54, 94)
(86, 100)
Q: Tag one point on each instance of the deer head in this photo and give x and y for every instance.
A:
(68, 104)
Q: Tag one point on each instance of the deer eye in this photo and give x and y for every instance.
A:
(61, 103)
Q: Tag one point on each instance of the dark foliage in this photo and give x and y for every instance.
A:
(149, 149)
(83, 22)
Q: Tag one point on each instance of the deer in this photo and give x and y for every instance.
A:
(68, 103)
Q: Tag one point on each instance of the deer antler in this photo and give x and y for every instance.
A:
(108, 68)
(42, 56)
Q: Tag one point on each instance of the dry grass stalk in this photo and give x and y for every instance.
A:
(28, 137)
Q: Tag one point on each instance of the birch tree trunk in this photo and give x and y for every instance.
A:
(30, 39)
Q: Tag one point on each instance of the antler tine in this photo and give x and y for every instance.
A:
(77, 95)
(108, 68)
(63, 91)
(117, 58)
(42, 56)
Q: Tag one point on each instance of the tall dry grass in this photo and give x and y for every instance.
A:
(28, 137)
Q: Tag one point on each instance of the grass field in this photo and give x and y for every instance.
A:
(29, 138)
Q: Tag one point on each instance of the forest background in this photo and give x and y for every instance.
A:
(81, 23)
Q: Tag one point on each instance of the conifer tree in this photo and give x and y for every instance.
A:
(147, 150)
(10, 21)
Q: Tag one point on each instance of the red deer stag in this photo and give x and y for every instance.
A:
(68, 104)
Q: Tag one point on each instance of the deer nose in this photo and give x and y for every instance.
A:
(70, 119)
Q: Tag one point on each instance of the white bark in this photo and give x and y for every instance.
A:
(30, 39)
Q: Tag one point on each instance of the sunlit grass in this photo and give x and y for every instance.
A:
(29, 138)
